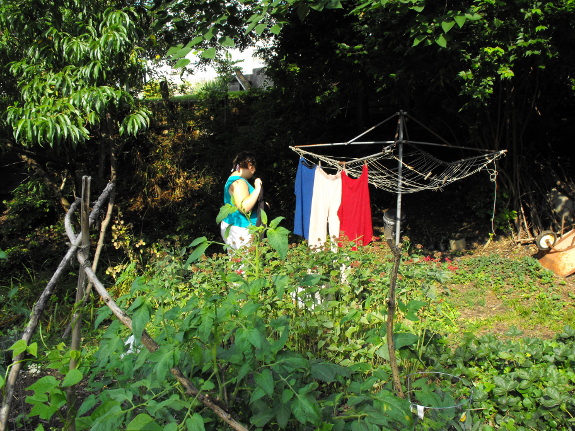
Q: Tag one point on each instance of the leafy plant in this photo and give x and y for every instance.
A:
(297, 341)
(519, 384)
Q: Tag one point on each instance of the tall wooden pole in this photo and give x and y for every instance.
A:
(76, 323)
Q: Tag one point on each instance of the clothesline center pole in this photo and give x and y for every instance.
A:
(400, 138)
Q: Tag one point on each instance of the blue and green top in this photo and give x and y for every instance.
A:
(237, 218)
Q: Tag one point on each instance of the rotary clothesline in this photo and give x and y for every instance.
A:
(419, 169)
(394, 170)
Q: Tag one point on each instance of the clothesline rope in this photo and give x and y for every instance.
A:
(420, 170)
(402, 166)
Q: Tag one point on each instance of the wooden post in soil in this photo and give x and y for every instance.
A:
(391, 317)
(76, 321)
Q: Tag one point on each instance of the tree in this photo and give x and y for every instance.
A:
(74, 70)
(76, 66)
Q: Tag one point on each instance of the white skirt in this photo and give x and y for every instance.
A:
(235, 236)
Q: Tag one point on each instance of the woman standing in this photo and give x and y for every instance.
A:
(240, 193)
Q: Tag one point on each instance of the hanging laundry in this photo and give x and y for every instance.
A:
(355, 209)
(304, 180)
(324, 206)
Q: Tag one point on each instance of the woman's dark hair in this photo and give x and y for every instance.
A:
(244, 159)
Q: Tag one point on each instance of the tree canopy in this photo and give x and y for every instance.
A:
(493, 74)
(77, 64)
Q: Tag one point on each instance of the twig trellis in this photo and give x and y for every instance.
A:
(86, 271)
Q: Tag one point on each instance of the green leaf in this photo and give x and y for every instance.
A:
(210, 33)
(143, 422)
(278, 240)
(225, 211)
(194, 41)
(305, 409)
(228, 41)
(260, 28)
(255, 337)
(393, 406)
(195, 423)
(404, 339)
(44, 384)
(280, 282)
(253, 20)
(418, 39)
(265, 381)
(447, 25)
(206, 326)
(303, 11)
(460, 20)
(198, 241)
(140, 319)
(33, 349)
(473, 17)
(261, 419)
(334, 4)
(165, 358)
(441, 41)
(235, 278)
(197, 253)
(103, 313)
(88, 404)
(182, 63)
(283, 413)
(72, 377)
(208, 385)
(327, 372)
(43, 411)
(264, 217)
(275, 222)
(311, 279)
(209, 53)
(18, 347)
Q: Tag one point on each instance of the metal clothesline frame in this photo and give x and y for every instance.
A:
(400, 141)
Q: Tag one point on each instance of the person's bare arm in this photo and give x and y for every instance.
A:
(244, 200)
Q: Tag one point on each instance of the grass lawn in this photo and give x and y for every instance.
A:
(503, 289)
